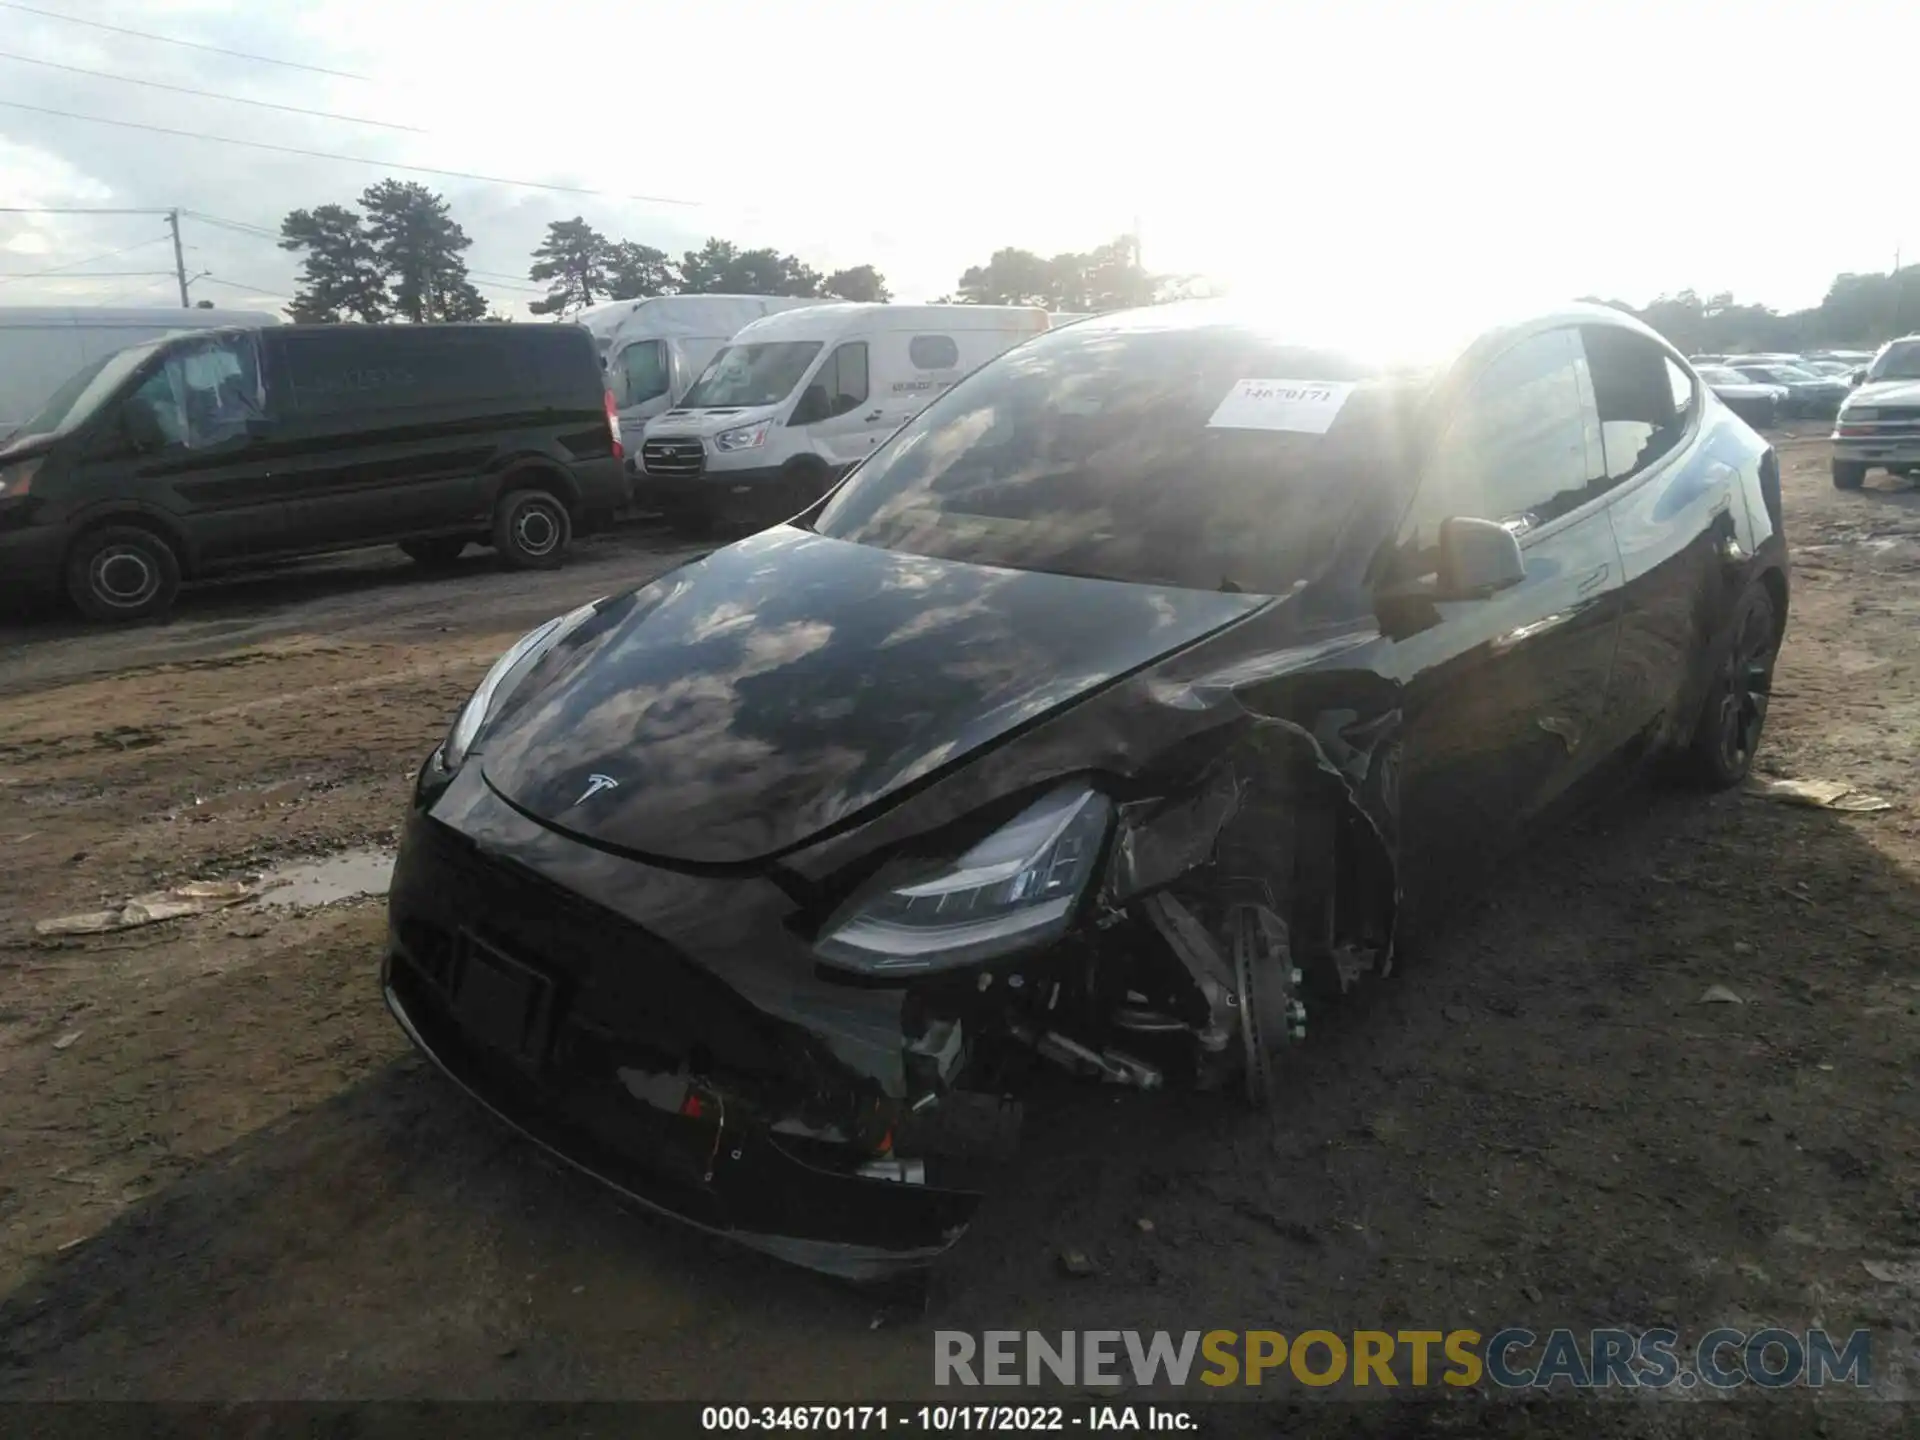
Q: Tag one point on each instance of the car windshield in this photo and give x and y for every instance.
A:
(1720, 375)
(1152, 455)
(751, 375)
(1899, 362)
(88, 388)
(1787, 374)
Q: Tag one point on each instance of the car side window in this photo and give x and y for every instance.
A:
(201, 396)
(1645, 400)
(1517, 450)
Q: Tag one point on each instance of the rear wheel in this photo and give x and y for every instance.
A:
(531, 529)
(122, 572)
(436, 553)
(1848, 474)
(1728, 731)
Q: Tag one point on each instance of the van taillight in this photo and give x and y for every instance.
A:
(613, 427)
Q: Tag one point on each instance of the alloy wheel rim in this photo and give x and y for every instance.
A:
(1746, 682)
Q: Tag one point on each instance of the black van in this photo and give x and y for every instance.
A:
(219, 448)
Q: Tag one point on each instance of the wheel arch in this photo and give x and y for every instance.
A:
(145, 517)
(537, 472)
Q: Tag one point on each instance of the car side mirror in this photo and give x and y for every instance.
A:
(1859, 377)
(1478, 558)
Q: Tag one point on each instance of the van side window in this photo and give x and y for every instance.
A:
(377, 368)
(839, 386)
(1645, 400)
(933, 352)
(202, 395)
(642, 374)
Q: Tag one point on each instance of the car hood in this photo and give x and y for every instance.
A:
(1886, 392)
(775, 688)
(707, 423)
(24, 447)
(1745, 390)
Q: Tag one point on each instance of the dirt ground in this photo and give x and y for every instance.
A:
(223, 1175)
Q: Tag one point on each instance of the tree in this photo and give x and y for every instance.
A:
(1010, 277)
(721, 268)
(420, 247)
(341, 276)
(572, 261)
(635, 271)
(862, 282)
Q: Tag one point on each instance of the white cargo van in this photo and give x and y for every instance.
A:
(41, 345)
(656, 347)
(795, 400)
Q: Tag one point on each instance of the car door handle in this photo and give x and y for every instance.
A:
(1594, 579)
(874, 416)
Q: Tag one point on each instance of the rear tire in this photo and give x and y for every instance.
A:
(1727, 733)
(122, 572)
(435, 554)
(532, 529)
(1848, 474)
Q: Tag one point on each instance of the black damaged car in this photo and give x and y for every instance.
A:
(1162, 677)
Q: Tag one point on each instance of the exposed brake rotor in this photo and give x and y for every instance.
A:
(1266, 983)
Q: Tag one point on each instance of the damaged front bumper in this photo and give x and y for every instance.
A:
(590, 1035)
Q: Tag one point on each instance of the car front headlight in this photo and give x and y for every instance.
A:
(17, 478)
(507, 672)
(1015, 890)
(746, 437)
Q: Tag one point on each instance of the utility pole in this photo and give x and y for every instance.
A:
(179, 258)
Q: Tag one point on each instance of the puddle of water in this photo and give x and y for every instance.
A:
(322, 882)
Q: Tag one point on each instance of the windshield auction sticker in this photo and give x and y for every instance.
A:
(1301, 405)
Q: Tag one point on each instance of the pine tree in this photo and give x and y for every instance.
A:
(340, 272)
(420, 247)
(572, 263)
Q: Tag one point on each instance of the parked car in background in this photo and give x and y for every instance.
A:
(40, 346)
(1807, 393)
(795, 400)
(1160, 678)
(1879, 425)
(656, 347)
(1840, 369)
(169, 460)
(1754, 402)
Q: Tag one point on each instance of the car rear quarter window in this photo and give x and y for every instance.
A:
(1103, 453)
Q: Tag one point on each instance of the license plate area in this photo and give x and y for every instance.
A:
(502, 1003)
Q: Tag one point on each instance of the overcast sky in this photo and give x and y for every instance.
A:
(1505, 151)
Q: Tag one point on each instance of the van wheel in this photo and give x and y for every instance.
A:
(435, 554)
(531, 530)
(122, 572)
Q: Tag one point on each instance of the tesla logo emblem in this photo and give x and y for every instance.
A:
(595, 784)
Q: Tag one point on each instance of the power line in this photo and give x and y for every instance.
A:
(89, 275)
(93, 259)
(241, 225)
(349, 159)
(187, 44)
(207, 94)
(69, 209)
(235, 284)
